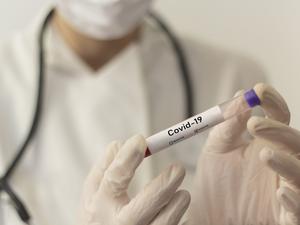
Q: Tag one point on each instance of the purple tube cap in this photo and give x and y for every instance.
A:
(252, 98)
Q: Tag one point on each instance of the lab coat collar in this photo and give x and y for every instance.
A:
(58, 55)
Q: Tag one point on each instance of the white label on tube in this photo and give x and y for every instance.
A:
(184, 130)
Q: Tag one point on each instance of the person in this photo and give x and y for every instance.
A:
(110, 72)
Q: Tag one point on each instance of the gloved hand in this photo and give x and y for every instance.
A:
(104, 19)
(245, 180)
(105, 199)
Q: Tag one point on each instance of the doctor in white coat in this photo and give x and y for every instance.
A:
(110, 73)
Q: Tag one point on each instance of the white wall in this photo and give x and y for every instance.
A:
(267, 30)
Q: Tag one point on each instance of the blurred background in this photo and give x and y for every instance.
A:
(266, 30)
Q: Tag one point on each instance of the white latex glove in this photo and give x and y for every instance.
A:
(250, 180)
(104, 19)
(105, 199)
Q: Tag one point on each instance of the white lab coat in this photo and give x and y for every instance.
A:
(72, 133)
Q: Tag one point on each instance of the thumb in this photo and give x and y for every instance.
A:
(228, 135)
(290, 201)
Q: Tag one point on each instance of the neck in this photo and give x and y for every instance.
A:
(95, 53)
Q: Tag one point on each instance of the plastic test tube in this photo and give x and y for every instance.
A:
(201, 122)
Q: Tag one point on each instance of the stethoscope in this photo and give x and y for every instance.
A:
(5, 187)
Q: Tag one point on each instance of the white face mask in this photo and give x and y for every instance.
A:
(104, 19)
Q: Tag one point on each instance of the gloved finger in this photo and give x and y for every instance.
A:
(148, 203)
(290, 201)
(120, 172)
(227, 135)
(94, 178)
(287, 166)
(279, 134)
(173, 212)
(272, 103)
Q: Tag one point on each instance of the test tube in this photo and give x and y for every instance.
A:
(201, 122)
